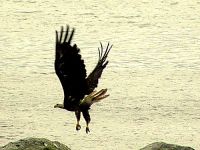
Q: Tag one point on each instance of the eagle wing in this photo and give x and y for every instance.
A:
(69, 66)
(92, 79)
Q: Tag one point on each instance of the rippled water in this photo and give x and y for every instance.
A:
(153, 76)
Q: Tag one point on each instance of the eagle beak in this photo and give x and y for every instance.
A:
(59, 106)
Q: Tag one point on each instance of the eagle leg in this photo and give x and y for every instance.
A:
(86, 116)
(78, 116)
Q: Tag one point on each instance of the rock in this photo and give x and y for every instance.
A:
(165, 146)
(34, 144)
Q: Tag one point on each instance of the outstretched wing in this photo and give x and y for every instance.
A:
(92, 79)
(69, 66)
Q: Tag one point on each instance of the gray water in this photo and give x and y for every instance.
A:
(153, 76)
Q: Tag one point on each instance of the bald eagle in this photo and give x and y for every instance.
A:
(79, 89)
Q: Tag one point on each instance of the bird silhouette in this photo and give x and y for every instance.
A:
(79, 89)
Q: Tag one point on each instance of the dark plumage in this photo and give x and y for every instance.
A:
(78, 89)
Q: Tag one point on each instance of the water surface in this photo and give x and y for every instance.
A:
(153, 76)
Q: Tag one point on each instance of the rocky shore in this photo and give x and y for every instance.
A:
(45, 144)
(35, 144)
(165, 146)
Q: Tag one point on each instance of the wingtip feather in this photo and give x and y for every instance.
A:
(71, 36)
(61, 34)
(56, 36)
(66, 34)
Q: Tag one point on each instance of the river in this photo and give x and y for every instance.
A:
(153, 75)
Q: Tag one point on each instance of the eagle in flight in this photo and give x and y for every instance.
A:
(79, 89)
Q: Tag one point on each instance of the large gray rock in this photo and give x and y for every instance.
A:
(165, 146)
(34, 144)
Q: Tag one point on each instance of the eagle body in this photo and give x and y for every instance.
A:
(78, 88)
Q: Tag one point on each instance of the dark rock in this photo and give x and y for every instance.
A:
(34, 144)
(165, 146)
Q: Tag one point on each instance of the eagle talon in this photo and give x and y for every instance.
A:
(87, 130)
(78, 127)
